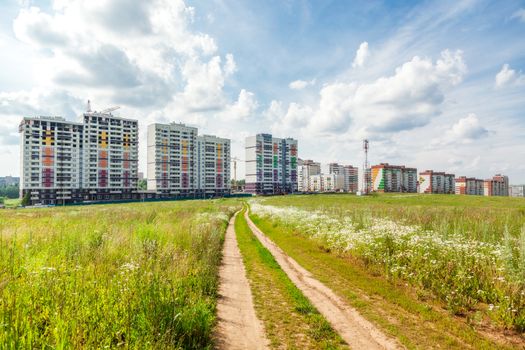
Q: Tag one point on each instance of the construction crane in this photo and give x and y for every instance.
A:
(235, 160)
(109, 110)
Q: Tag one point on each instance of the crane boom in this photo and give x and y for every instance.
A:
(109, 110)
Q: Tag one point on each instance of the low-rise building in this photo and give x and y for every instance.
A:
(306, 169)
(9, 181)
(469, 186)
(326, 183)
(394, 178)
(436, 182)
(517, 190)
(350, 175)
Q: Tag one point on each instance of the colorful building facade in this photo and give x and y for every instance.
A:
(393, 178)
(271, 165)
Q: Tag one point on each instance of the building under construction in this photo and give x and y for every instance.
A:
(91, 160)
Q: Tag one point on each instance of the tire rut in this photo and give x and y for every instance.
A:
(358, 332)
(238, 326)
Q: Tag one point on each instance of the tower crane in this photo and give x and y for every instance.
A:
(109, 110)
(234, 160)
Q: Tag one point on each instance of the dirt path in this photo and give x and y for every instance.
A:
(238, 326)
(353, 328)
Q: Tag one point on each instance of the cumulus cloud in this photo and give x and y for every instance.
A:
(408, 99)
(243, 108)
(14, 105)
(464, 131)
(361, 55)
(142, 54)
(519, 14)
(295, 118)
(508, 76)
(301, 84)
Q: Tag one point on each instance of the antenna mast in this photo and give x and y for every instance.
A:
(366, 166)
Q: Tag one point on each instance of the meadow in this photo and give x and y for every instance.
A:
(466, 252)
(141, 275)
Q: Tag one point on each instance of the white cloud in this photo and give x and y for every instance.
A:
(508, 76)
(144, 56)
(14, 105)
(519, 14)
(361, 55)
(301, 84)
(408, 99)
(464, 131)
(140, 54)
(243, 108)
(295, 118)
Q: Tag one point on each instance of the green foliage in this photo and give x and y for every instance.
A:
(9, 191)
(140, 275)
(466, 251)
(254, 253)
(142, 185)
(26, 200)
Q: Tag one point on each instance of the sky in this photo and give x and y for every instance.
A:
(432, 84)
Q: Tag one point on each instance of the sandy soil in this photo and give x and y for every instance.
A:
(238, 326)
(351, 326)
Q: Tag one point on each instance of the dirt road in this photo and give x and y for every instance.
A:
(238, 326)
(351, 326)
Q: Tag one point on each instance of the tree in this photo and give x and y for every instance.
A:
(27, 199)
(142, 185)
(9, 191)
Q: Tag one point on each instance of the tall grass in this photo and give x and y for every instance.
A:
(472, 257)
(135, 275)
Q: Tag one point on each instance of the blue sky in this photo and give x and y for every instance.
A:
(434, 84)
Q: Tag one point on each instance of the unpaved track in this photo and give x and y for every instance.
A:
(238, 326)
(351, 326)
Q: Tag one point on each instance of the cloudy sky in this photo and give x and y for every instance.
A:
(435, 84)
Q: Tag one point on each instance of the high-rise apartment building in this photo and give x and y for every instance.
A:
(213, 171)
(394, 178)
(436, 182)
(271, 164)
(497, 186)
(306, 169)
(51, 153)
(350, 175)
(181, 163)
(110, 156)
(171, 156)
(64, 161)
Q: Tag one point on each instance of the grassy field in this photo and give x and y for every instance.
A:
(140, 275)
(290, 320)
(12, 203)
(467, 254)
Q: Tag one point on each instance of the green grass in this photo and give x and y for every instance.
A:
(12, 203)
(464, 253)
(467, 251)
(290, 320)
(140, 275)
(393, 306)
(477, 217)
